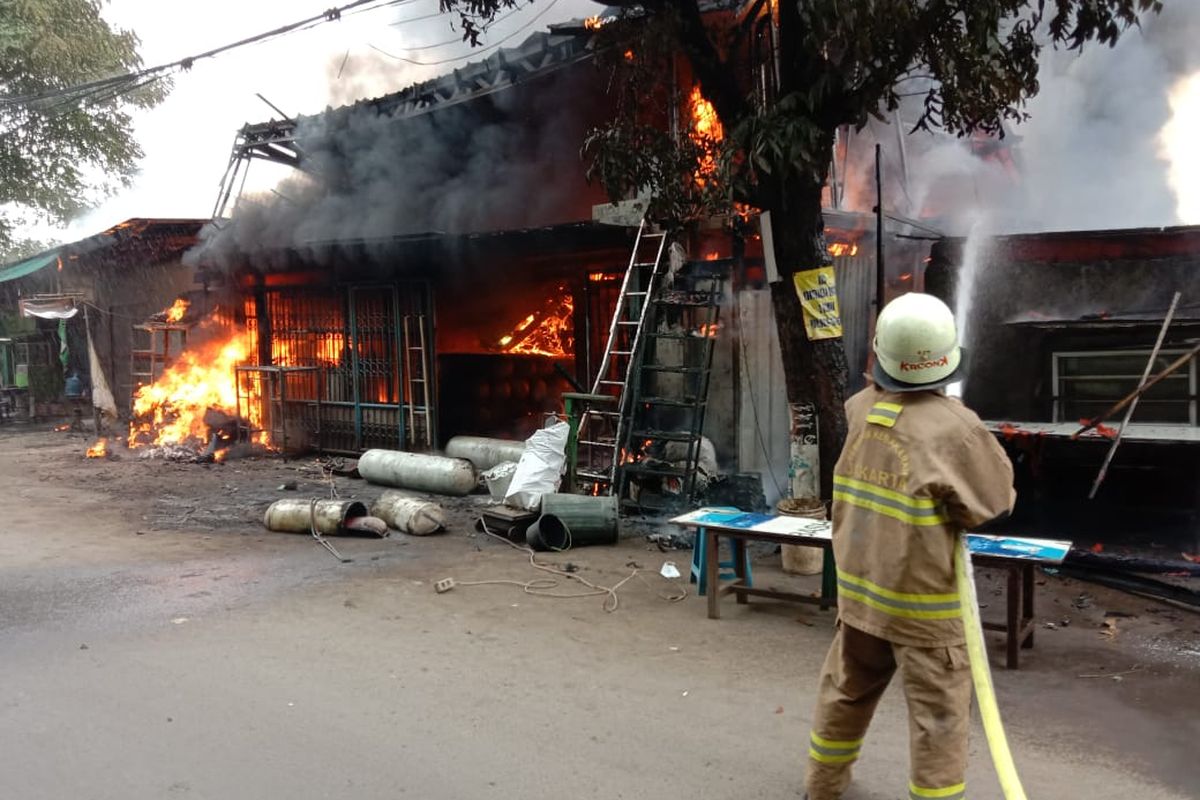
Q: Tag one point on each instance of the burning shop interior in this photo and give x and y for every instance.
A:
(1061, 326)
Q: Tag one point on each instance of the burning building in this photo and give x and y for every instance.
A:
(68, 311)
(1060, 326)
(440, 265)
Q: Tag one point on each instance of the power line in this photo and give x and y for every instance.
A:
(84, 90)
(484, 49)
(459, 39)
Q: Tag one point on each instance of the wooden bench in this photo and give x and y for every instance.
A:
(1017, 556)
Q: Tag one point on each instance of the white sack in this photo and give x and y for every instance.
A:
(540, 469)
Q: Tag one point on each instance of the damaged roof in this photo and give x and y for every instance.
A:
(1070, 247)
(148, 240)
(540, 54)
(1188, 314)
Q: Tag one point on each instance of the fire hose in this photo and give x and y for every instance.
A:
(981, 676)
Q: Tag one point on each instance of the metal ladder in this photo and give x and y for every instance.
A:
(601, 430)
(416, 379)
(663, 418)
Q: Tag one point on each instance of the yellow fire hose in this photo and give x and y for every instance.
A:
(981, 676)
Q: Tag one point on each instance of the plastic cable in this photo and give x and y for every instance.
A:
(981, 676)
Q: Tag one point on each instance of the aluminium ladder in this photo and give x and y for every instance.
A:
(416, 402)
(602, 430)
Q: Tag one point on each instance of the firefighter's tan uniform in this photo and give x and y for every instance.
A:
(918, 468)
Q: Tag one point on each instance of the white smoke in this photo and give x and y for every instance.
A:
(1090, 156)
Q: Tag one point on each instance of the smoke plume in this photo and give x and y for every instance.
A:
(1090, 155)
(478, 166)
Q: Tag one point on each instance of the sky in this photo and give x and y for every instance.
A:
(187, 138)
(1110, 142)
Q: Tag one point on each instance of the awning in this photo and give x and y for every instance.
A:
(28, 266)
(49, 307)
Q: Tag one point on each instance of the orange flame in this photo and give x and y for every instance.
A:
(171, 410)
(709, 330)
(837, 249)
(712, 255)
(551, 334)
(177, 310)
(627, 457)
(330, 348)
(99, 449)
(66, 426)
(593, 23)
(707, 131)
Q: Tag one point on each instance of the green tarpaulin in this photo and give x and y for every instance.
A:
(28, 266)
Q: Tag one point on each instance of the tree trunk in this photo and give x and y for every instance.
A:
(815, 371)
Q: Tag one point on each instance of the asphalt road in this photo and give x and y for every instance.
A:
(238, 664)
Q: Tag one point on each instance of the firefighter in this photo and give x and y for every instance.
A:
(918, 468)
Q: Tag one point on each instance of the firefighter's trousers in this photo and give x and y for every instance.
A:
(937, 686)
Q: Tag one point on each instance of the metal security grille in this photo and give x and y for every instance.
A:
(358, 396)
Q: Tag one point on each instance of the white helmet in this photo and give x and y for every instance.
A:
(916, 345)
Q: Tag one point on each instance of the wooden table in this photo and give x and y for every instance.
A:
(740, 528)
(1017, 556)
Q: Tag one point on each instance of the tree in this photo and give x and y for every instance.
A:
(66, 92)
(836, 62)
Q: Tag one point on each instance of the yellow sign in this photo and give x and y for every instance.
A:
(819, 300)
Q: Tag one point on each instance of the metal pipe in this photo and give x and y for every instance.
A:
(295, 515)
(483, 452)
(418, 471)
(1112, 450)
(880, 275)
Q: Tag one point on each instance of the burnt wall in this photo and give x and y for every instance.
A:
(1010, 365)
(121, 297)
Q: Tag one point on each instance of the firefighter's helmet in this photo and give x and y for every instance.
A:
(916, 345)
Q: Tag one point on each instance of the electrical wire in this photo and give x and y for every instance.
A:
(459, 39)
(541, 587)
(186, 63)
(474, 52)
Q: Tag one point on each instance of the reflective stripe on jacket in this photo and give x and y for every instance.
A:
(917, 469)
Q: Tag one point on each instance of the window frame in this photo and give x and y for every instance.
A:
(1058, 399)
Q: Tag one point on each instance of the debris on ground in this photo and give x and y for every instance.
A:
(1115, 676)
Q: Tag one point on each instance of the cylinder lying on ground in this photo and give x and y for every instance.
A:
(295, 515)
(409, 514)
(573, 520)
(483, 452)
(425, 473)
